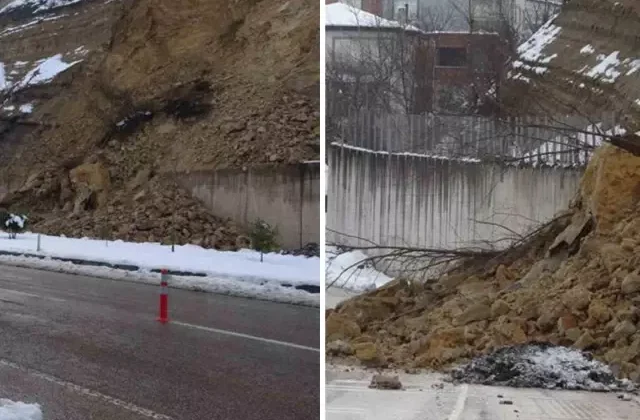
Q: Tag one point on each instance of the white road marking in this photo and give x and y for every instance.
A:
(459, 407)
(247, 336)
(15, 292)
(88, 392)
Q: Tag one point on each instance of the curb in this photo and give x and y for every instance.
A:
(309, 288)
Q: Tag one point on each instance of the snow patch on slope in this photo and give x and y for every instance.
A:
(530, 53)
(3, 78)
(10, 30)
(37, 5)
(41, 72)
(46, 70)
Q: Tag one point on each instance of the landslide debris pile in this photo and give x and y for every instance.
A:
(149, 89)
(575, 283)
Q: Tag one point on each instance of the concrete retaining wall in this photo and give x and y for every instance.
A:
(284, 196)
(426, 202)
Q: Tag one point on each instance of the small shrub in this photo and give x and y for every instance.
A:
(4, 216)
(263, 237)
(14, 224)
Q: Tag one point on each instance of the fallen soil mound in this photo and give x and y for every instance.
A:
(575, 283)
(541, 365)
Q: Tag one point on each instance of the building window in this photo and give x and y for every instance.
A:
(452, 57)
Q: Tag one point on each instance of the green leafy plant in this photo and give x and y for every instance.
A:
(263, 237)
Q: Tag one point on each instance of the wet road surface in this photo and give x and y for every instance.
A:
(88, 348)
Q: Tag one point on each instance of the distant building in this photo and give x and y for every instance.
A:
(524, 16)
(448, 72)
(457, 72)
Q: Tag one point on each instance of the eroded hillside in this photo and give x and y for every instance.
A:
(584, 61)
(149, 87)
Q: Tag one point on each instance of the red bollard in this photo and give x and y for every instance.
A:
(164, 297)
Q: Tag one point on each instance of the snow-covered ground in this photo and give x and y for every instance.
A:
(351, 271)
(236, 273)
(11, 410)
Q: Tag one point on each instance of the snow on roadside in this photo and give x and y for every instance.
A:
(350, 271)
(271, 291)
(243, 265)
(12, 410)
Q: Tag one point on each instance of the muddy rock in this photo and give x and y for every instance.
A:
(499, 308)
(622, 331)
(339, 327)
(367, 353)
(475, 312)
(631, 284)
(573, 334)
(339, 348)
(599, 312)
(585, 341)
(385, 382)
(577, 299)
(566, 322)
(546, 321)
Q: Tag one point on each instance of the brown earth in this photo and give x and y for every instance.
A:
(608, 26)
(167, 86)
(575, 283)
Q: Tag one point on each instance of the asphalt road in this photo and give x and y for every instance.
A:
(88, 349)
(427, 396)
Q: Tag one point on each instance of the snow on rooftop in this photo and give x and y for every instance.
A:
(37, 5)
(340, 14)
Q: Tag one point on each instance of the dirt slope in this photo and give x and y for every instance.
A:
(585, 61)
(164, 86)
(575, 283)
